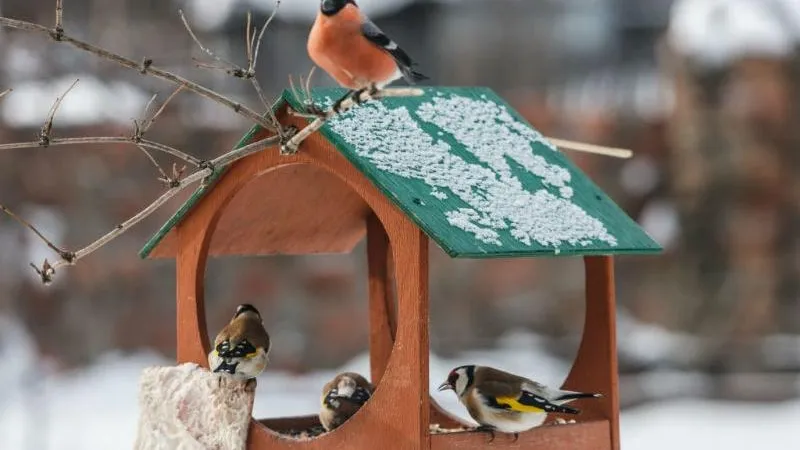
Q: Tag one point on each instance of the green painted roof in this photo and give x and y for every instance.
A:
(472, 174)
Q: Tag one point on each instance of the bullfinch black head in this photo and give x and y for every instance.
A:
(331, 7)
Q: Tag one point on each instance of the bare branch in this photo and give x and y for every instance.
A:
(59, 27)
(47, 128)
(107, 140)
(249, 42)
(153, 160)
(144, 127)
(175, 179)
(291, 146)
(307, 86)
(125, 226)
(6, 92)
(65, 255)
(252, 66)
(223, 62)
(145, 67)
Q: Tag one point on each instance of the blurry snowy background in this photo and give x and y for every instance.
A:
(706, 92)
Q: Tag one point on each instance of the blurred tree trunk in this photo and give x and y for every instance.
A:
(735, 178)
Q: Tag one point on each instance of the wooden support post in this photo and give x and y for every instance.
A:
(595, 368)
(410, 374)
(192, 343)
(382, 309)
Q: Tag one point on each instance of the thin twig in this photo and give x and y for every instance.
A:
(590, 148)
(6, 92)
(153, 160)
(141, 215)
(48, 270)
(308, 81)
(144, 127)
(145, 67)
(249, 41)
(180, 185)
(61, 252)
(47, 128)
(251, 48)
(59, 27)
(108, 140)
(291, 146)
(261, 35)
(206, 50)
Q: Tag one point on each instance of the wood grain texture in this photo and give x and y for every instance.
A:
(591, 435)
(398, 412)
(382, 306)
(298, 209)
(595, 367)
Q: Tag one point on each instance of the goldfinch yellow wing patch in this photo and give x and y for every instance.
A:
(514, 405)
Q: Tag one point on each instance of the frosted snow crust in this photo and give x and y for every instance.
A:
(486, 180)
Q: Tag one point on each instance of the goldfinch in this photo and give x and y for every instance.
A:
(354, 51)
(241, 349)
(342, 397)
(506, 402)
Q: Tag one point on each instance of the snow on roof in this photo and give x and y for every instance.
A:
(716, 32)
(473, 175)
(495, 199)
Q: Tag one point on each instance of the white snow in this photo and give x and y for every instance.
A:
(716, 32)
(496, 199)
(91, 101)
(96, 408)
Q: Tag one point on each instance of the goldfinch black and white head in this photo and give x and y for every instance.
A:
(506, 402)
(241, 349)
(342, 397)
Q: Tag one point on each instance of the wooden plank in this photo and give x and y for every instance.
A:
(595, 368)
(591, 435)
(382, 307)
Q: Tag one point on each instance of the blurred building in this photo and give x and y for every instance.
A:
(712, 179)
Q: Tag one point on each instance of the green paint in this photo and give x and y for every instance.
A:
(413, 196)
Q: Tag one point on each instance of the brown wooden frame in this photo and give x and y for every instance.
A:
(399, 414)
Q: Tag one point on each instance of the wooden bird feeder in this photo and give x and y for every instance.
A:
(456, 165)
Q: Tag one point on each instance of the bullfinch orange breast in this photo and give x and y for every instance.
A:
(354, 51)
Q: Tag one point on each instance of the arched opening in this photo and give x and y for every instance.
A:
(520, 315)
(320, 286)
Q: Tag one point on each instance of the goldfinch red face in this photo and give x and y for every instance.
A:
(458, 380)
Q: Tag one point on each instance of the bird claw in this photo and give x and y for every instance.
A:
(486, 429)
(516, 437)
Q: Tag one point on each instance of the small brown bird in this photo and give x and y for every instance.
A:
(354, 51)
(241, 349)
(506, 402)
(342, 397)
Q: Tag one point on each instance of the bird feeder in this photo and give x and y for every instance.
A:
(456, 165)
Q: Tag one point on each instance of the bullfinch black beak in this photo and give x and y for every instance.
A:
(444, 386)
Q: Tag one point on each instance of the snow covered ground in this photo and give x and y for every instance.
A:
(96, 407)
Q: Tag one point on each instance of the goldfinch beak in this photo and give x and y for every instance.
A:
(444, 386)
